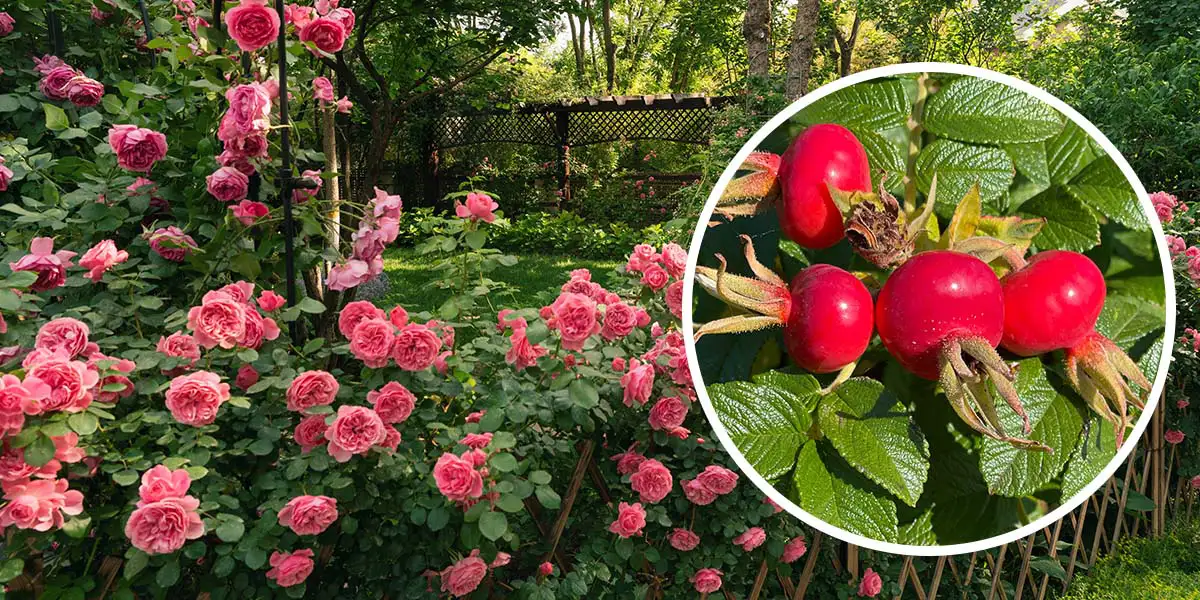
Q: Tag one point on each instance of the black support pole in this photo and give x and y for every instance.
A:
(56, 33)
(149, 30)
(284, 177)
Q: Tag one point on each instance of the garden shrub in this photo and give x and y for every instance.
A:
(1146, 569)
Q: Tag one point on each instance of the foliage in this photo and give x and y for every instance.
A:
(1146, 569)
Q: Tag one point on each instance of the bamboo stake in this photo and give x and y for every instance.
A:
(809, 565)
(937, 577)
(1075, 544)
(759, 581)
(996, 572)
(1024, 566)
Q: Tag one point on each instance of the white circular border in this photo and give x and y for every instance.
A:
(783, 501)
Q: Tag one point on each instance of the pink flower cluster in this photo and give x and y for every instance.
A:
(323, 90)
(657, 268)
(227, 317)
(165, 517)
(323, 28)
(378, 228)
(171, 243)
(585, 308)
(50, 266)
(243, 131)
(354, 430)
(378, 338)
(712, 482)
(137, 148)
(1165, 206)
(61, 81)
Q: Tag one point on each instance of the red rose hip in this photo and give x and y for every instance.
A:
(830, 321)
(822, 156)
(1051, 303)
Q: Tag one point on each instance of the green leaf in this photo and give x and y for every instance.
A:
(510, 503)
(874, 106)
(40, 452)
(958, 166)
(768, 419)
(1068, 152)
(1138, 502)
(311, 305)
(476, 239)
(231, 530)
(1125, 320)
(246, 264)
(493, 525)
(1095, 449)
(56, 118)
(83, 423)
(11, 568)
(261, 447)
(136, 563)
(91, 120)
(869, 427)
(9, 103)
(983, 111)
(539, 478)
(584, 394)
(883, 155)
(919, 532)
(1030, 160)
(833, 492)
(168, 574)
(126, 477)
(1056, 422)
(1102, 186)
(548, 497)
(1049, 566)
(1069, 224)
(503, 462)
(437, 519)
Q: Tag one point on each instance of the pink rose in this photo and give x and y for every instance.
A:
(475, 416)
(718, 479)
(643, 255)
(545, 569)
(356, 312)
(683, 540)
(179, 345)
(652, 481)
(416, 348)
(47, 63)
(674, 299)
(751, 538)
(674, 259)
(249, 113)
(655, 277)
(50, 266)
(344, 105)
(696, 493)
(325, 34)
(160, 483)
(100, 258)
(246, 377)
(620, 319)
(311, 388)
(502, 559)
(290, 568)
(70, 382)
(667, 414)
(55, 81)
(354, 430)
(462, 577)
(228, 184)
(6, 24)
(575, 318)
(476, 441)
(298, 15)
(164, 526)
(137, 149)
(629, 460)
(6, 176)
(479, 207)
(195, 399)
(1176, 245)
(39, 504)
(1173, 436)
(706, 581)
(18, 399)
(457, 478)
(631, 518)
(65, 334)
(269, 301)
(252, 25)
(794, 549)
(1182, 403)
(310, 433)
(301, 195)
(618, 364)
(171, 243)
(638, 382)
(372, 342)
(870, 585)
(84, 91)
(1196, 482)
(392, 402)
(521, 352)
(309, 515)
(344, 16)
(220, 320)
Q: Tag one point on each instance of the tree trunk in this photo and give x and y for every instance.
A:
(800, 52)
(610, 50)
(576, 47)
(846, 46)
(756, 28)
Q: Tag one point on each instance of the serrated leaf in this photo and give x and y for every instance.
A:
(1049, 566)
(837, 495)
(958, 166)
(1068, 152)
(965, 220)
(40, 451)
(979, 110)
(874, 106)
(1011, 230)
(1069, 224)
(493, 525)
(84, 423)
(919, 532)
(1030, 160)
(11, 568)
(1125, 320)
(168, 574)
(870, 429)
(56, 118)
(1102, 186)
(768, 419)
(882, 154)
(1055, 421)
(231, 530)
(1096, 448)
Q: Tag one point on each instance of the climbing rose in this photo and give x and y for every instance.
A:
(643, 256)
(674, 298)
(696, 493)
(309, 515)
(620, 319)
(718, 479)
(478, 207)
(301, 195)
(638, 382)
(354, 430)
(870, 585)
(195, 399)
(793, 550)
(220, 320)
(372, 342)
(246, 377)
(462, 577)
(667, 414)
(674, 259)
(137, 149)
(325, 34)
(683, 540)
(574, 316)
(70, 382)
(476, 441)
(17, 399)
(290, 568)
(706, 581)
(502, 558)
(54, 82)
(64, 333)
(249, 113)
(628, 461)
(655, 277)
(160, 483)
(356, 312)
(299, 15)
(652, 481)
(179, 345)
(164, 526)
(171, 243)
(545, 569)
(6, 176)
(84, 91)
(228, 184)
(416, 347)
(6, 24)
(311, 388)
(249, 211)
(252, 25)
(322, 89)
(1174, 436)
(457, 478)
(1164, 206)
(522, 353)
(39, 504)
(100, 258)
(751, 538)
(392, 402)
(310, 433)
(50, 266)
(631, 518)
(269, 301)
(344, 105)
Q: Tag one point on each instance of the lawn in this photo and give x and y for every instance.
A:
(413, 279)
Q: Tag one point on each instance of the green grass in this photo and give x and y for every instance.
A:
(1146, 569)
(413, 279)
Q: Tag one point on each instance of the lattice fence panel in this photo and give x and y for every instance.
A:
(521, 128)
(690, 126)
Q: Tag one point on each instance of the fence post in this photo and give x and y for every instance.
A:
(562, 132)
(284, 177)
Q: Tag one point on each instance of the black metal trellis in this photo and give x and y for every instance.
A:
(54, 25)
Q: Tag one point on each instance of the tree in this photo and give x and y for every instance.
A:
(756, 27)
(800, 51)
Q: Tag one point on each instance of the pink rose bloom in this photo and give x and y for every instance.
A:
(309, 515)
(1164, 205)
(356, 312)
(643, 255)
(631, 518)
(457, 478)
(164, 526)
(575, 318)
(462, 577)
(47, 63)
(54, 82)
(372, 342)
(39, 504)
(18, 399)
(298, 15)
(137, 149)
(751, 538)
(652, 481)
(655, 277)
(628, 461)
(310, 433)
(674, 299)
(248, 212)
(354, 430)
(476, 441)
(696, 493)
(6, 24)
(706, 581)
(325, 34)
(50, 266)
(290, 568)
(638, 382)
(160, 483)
(416, 348)
(344, 105)
(228, 184)
(249, 112)
(349, 274)
(311, 388)
(302, 195)
(344, 16)
(179, 345)
(246, 377)
(683, 540)
(618, 364)
(545, 569)
(269, 301)
(220, 320)
(100, 258)
(84, 91)
(172, 243)
(6, 176)
(195, 399)
(674, 259)
(870, 585)
(65, 334)
(1182, 404)
(620, 319)
(1173, 436)
(718, 479)
(322, 89)
(391, 439)
(794, 549)
(478, 207)
(1176, 245)
(475, 416)
(1196, 482)
(252, 25)
(667, 414)
(71, 382)
(392, 402)
(521, 352)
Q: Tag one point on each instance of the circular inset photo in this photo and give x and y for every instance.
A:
(928, 308)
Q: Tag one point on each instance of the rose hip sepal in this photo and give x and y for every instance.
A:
(1100, 371)
(826, 313)
(941, 315)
